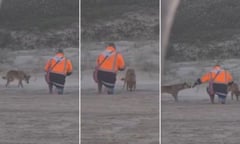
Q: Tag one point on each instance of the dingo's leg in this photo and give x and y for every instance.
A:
(124, 84)
(175, 96)
(134, 86)
(60, 90)
(237, 95)
(20, 83)
(9, 79)
(7, 83)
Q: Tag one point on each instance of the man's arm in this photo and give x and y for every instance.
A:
(121, 63)
(69, 67)
(229, 78)
(203, 79)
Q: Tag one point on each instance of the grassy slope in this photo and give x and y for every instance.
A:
(94, 12)
(94, 16)
(200, 18)
(36, 14)
(34, 24)
(206, 29)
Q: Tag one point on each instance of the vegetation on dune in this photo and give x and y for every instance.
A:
(103, 20)
(39, 23)
(205, 29)
(25, 14)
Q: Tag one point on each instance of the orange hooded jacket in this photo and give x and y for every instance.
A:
(223, 76)
(114, 60)
(64, 66)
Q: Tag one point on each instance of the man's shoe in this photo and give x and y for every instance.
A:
(60, 91)
(110, 91)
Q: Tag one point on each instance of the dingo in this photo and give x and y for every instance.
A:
(130, 80)
(174, 89)
(14, 74)
(234, 90)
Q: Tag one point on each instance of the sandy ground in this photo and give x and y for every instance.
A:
(193, 120)
(30, 115)
(123, 118)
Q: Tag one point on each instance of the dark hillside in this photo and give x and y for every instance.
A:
(33, 24)
(203, 28)
(25, 14)
(119, 19)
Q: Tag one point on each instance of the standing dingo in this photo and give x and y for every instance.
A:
(174, 89)
(14, 74)
(234, 90)
(130, 80)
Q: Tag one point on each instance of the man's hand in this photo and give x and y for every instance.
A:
(197, 82)
(230, 83)
(121, 69)
(69, 73)
(194, 84)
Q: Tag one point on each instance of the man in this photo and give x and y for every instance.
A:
(108, 63)
(57, 68)
(218, 79)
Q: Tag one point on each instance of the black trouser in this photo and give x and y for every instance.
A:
(108, 79)
(57, 80)
(220, 90)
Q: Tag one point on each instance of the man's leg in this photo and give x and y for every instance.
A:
(50, 87)
(222, 98)
(108, 79)
(99, 87)
(60, 90)
(110, 90)
(112, 84)
(211, 95)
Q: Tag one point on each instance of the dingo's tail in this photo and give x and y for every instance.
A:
(4, 77)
